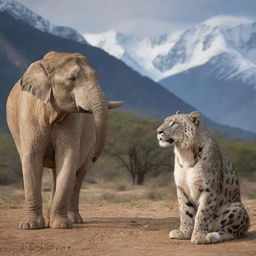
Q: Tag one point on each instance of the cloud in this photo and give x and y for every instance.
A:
(148, 26)
(138, 16)
(227, 20)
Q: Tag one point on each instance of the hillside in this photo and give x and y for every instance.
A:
(22, 44)
(230, 101)
(19, 11)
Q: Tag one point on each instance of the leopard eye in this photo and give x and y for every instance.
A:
(172, 123)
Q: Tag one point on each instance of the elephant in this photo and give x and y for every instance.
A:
(57, 114)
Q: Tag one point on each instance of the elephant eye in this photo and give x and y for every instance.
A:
(72, 78)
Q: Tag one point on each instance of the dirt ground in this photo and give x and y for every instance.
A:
(115, 229)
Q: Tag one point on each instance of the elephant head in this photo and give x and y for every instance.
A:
(69, 84)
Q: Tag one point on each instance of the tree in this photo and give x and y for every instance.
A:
(132, 141)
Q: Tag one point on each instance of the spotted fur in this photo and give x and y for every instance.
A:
(207, 184)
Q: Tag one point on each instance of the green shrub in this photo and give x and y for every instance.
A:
(10, 168)
(242, 154)
(131, 150)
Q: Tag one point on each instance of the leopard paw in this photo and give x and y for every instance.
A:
(178, 234)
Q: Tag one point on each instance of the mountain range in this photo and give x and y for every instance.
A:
(211, 66)
(21, 44)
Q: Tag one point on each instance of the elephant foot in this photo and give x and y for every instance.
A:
(75, 217)
(57, 221)
(33, 223)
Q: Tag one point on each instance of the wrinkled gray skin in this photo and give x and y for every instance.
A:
(58, 115)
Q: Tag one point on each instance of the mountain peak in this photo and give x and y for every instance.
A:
(108, 41)
(19, 11)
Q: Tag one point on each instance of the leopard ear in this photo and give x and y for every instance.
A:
(194, 116)
(36, 80)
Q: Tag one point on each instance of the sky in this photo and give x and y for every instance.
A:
(140, 17)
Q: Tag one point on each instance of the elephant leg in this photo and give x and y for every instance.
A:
(65, 170)
(73, 212)
(53, 171)
(32, 174)
(53, 187)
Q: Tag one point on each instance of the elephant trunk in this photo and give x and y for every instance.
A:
(99, 107)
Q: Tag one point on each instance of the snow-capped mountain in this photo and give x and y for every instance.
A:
(173, 53)
(19, 11)
(136, 52)
(211, 65)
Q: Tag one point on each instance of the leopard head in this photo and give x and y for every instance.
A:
(179, 129)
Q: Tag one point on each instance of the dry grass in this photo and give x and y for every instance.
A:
(122, 187)
(11, 196)
(104, 192)
(101, 193)
(248, 188)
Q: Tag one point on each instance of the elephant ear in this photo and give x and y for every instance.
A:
(36, 80)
